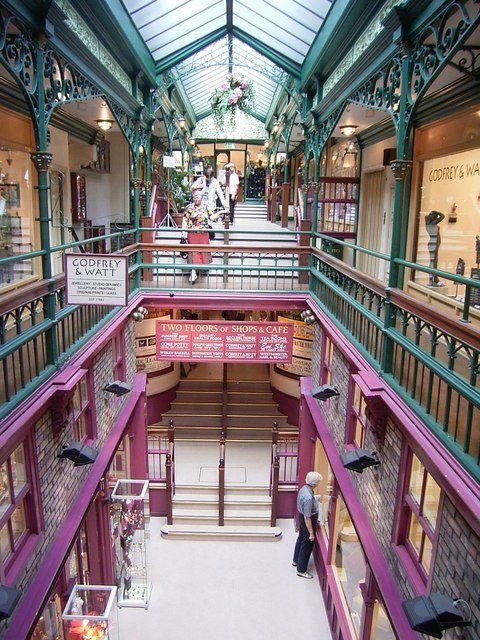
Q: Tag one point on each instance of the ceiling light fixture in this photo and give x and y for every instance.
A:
(276, 125)
(181, 122)
(348, 129)
(104, 124)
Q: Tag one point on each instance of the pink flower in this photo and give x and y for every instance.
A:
(223, 87)
(232, 99)
(244, 85)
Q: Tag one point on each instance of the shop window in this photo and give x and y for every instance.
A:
(120, 467)
(419, 516)
(447, 222)
(324, 491)
(327, 361)
(16, 215)
(359, 420)
(349, 562)
(83, 427)
(118, 354)
(17, 516)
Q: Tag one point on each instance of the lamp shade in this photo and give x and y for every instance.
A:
(8, 601)
(359, 460)
(433, 614)
(104, 124)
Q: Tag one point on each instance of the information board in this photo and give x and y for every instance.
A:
(197, 341)
(96, 279)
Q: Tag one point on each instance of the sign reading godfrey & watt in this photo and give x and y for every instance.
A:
(96, 279)
(201, 341)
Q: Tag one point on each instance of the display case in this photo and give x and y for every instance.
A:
(129, 515)
(91, 613)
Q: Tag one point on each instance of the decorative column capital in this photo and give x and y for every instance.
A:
(305, 187)
(316, 187)
(41, 160)
(136, 183)
(401, 168)
(147, 184)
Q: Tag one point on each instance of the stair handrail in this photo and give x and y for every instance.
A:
(171, 448)
(168, 476)
(221, 482)
(225, 399)
(170, 471)
(275, 475)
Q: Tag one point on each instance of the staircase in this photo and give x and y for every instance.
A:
(197, 415)
(251, 411)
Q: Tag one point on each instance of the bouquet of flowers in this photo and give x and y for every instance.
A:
(235, 93)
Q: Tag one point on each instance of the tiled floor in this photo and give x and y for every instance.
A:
(225, 589)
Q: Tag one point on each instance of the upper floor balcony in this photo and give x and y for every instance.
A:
(429, 358)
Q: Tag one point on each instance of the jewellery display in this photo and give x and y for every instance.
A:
(129, 533)
(91, 613)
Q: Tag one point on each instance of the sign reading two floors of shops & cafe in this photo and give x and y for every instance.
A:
(192, 340)
(96, 279)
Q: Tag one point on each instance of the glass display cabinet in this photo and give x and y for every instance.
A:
(129, 514)
(91, 613)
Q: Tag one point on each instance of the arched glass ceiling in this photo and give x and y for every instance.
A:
(180, 33)
(201, 73)
(287, 27)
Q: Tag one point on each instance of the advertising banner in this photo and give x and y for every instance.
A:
(204, 341)
(96, 279)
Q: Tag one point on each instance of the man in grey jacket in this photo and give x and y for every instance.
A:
(307, 507)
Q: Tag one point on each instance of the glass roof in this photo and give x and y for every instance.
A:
(182, 32)
(205, 70)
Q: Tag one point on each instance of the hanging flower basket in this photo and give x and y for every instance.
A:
(235, 93)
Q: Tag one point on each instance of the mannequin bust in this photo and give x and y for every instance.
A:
(432, 220)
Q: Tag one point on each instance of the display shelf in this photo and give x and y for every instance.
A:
(91, 613)
(129, 531)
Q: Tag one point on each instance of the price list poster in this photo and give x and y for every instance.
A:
(197, 341)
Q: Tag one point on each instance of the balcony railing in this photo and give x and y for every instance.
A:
(432, 360)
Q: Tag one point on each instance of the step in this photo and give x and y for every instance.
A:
(230, 489)
(189, 420)
(226, 532)
(215, 408)
(232, 385)
(240, 397)
(212, 518)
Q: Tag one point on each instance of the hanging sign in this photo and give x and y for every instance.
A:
(169, 162)
(96, 279)
(197, 341)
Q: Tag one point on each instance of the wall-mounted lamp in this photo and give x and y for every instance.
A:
(139, 314)
(308, 316)
(348, 129)
(181, 121)
(266, 144)
(434, 614)
(79, 453)
(359, 460)
(192, 142)
(325, 392)
(141, 150)
(198, 153)
(104, 124)
(8, 601)
(118, 388)
(276, 125)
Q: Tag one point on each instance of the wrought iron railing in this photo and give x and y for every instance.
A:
(432, 361)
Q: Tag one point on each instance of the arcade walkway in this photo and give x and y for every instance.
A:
(226, 590)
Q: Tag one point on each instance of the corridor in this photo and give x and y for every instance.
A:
(226, 589)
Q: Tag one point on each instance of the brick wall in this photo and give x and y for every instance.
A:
(60, 481)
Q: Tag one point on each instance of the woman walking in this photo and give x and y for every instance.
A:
(196, 222)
